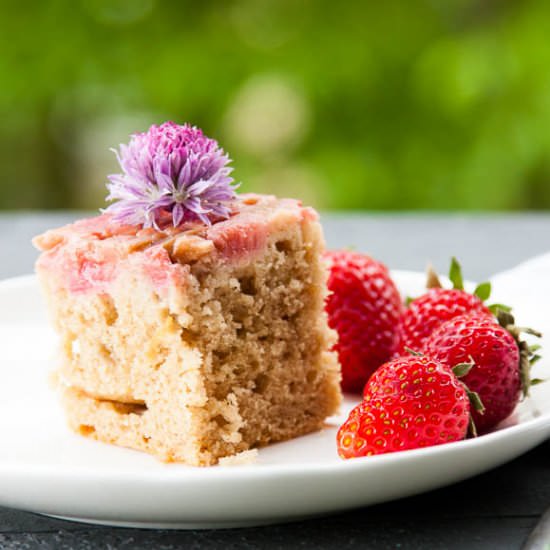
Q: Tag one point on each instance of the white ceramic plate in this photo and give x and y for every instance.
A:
(47, 469)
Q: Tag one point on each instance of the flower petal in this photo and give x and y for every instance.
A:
(170, 169)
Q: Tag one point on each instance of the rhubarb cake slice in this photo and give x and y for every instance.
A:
(193, 341)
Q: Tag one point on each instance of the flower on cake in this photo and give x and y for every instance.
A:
(171, 169)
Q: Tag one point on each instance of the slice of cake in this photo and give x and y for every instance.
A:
(193, 341)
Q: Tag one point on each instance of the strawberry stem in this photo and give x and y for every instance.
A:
(505, 318)
(530, 331)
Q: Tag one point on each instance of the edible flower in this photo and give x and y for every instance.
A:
(171, 170)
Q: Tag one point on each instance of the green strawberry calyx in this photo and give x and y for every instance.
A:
(460, 370)
(482, 290)
(528, 355)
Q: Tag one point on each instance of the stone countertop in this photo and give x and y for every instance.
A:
(494, 510)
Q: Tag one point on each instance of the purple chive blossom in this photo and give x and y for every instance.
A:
(170, 169)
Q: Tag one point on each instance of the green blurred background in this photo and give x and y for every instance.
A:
(376, 105)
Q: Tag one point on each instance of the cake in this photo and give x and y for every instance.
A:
(195, 340)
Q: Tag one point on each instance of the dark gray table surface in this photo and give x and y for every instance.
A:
(495, 510)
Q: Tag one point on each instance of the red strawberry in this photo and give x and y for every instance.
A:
(364, 307)
(498, 359)
(426, 313)
(409, 402)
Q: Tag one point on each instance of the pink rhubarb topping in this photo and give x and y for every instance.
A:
(88, 254)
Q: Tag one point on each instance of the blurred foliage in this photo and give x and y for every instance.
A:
(380, 105)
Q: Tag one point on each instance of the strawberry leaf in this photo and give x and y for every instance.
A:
(495, 308)
(472, 430)
(413, 352)
(524, 371)
(432, 279)
(462, 369)
(537, 381)
(483, 291)
(455, 274)
(475, 401)
(526, 356)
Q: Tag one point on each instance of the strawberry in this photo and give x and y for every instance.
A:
(424, 314)
(409, 402)
(364, 307)
(501, 362)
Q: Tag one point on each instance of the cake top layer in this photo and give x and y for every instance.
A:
(251, 220)
(85, 253)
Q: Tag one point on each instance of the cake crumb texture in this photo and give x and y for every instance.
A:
(228, 353)
(240, 459)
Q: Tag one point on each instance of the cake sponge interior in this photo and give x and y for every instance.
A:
(234, 356)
